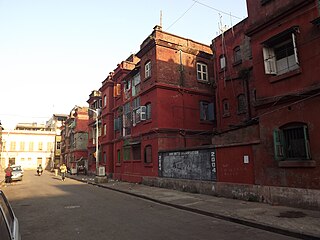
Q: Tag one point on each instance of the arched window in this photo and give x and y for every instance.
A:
(237, 55)
(223, 62)
(225, 108)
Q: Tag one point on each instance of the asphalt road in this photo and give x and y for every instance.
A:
(50, 209)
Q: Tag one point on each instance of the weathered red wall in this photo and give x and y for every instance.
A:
(231, 167)
(267, 168)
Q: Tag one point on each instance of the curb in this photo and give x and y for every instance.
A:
(210, 214)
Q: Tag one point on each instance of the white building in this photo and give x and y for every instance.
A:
(29, 145)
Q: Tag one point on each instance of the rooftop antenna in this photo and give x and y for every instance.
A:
(161, 18)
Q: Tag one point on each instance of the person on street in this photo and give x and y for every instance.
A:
(63, 170)
(8, 174)
(39, 170)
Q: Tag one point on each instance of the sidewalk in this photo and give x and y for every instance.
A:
(294, 222)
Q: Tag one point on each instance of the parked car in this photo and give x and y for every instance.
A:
(17, 173)
(9, 225)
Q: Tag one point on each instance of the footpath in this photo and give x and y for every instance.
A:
(294, 222)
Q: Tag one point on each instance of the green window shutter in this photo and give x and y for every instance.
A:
(306, 140)
(278, 145)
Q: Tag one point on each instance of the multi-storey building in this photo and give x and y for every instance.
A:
(55, 123)
(74, 138)
(164, 104)
(236, 133)
(109, 92)
(28, 145)
(94, 129)
(285, 54)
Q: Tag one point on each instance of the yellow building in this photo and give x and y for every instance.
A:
(28, 145)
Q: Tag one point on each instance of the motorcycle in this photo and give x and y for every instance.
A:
(39, 172)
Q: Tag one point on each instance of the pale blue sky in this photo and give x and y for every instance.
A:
(53, 53)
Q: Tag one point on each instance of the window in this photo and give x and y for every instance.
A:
(118, 156)
(31, 146)
(40, 146)
(202, 72)
(104, 129)
(237, 55)
(117, 123)
(127, 89)
(49, 146)
(223, 64)
(148, 154)
(225, 107)
(22, 146)
(104, 157)
(280, 53)
(292, 142)
(12, 146)
(127, 119)
(136, 152)
(242, 103)
(206, 111)
(58, 145)
(147, 70)
(126, 153)
(148, 111)
(105, 100)
(136, 85)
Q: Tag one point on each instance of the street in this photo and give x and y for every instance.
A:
(48, 208)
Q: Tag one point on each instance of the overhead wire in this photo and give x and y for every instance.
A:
(200, 3)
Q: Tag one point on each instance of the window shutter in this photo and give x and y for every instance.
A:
(269, 61)
(295, 48)
(211, 111)
(202, 113)
(118, 89)
(116, 124)
(143, 115)
(306, 140)
(278, 144)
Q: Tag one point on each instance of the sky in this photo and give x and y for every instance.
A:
(53, 53)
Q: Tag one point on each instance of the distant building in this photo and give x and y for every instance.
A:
(74, 138)
(28, 145)
(95, 103)
(55, 124)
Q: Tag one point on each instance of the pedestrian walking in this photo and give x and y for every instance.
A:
(63, 170)
(8, 174)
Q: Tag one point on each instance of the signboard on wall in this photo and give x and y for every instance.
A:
(188, 164)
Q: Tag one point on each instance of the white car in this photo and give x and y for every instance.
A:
(9, 225)
(17, 173)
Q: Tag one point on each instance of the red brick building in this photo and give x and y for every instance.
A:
(285, 52)
(164, 103)
(267, 95)
(74, 138)
(95, 103)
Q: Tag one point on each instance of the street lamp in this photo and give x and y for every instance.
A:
(96, 111)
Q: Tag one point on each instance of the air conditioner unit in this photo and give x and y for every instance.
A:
(101, 171)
